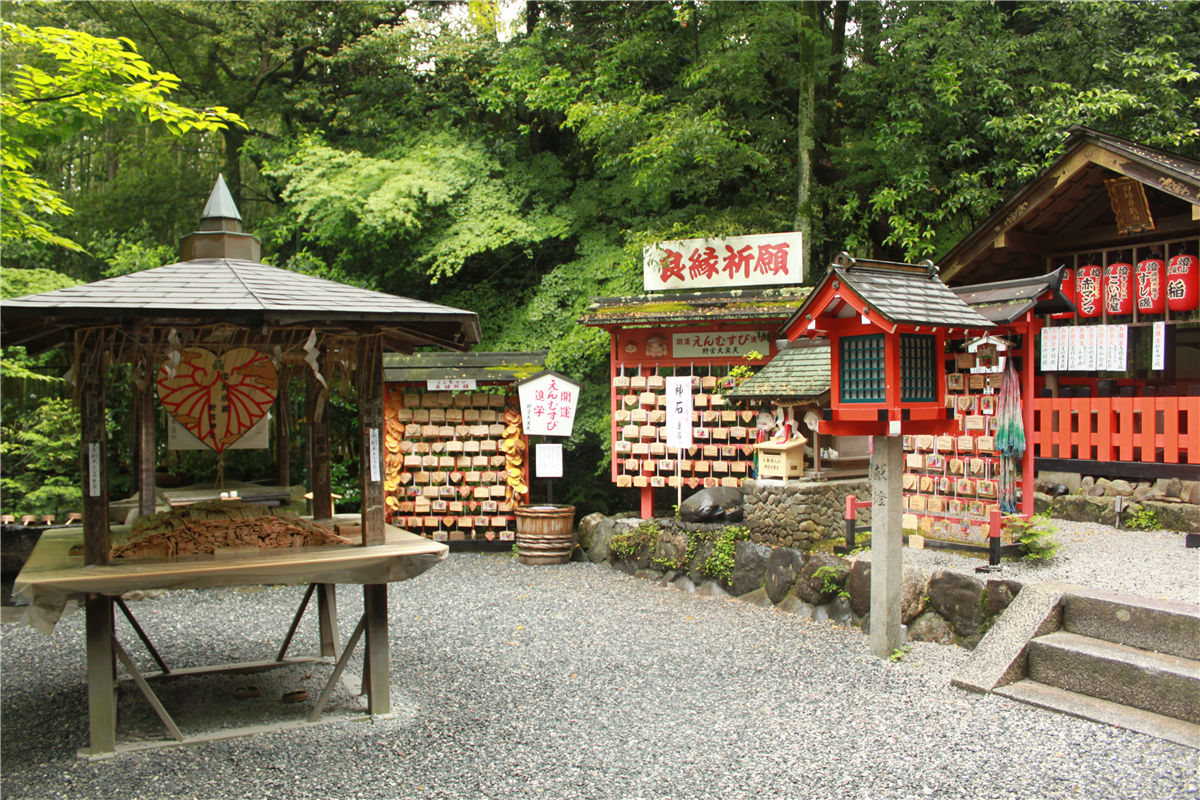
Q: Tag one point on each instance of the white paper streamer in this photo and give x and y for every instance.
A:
(311, 355)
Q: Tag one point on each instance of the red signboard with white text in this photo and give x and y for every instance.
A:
(768, 259)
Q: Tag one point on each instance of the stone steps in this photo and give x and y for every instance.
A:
(1083, 706)
(1156, 682)
(1127, 661)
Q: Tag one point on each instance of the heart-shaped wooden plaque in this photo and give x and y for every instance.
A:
(218, 398)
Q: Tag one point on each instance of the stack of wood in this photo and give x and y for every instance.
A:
(206, 528)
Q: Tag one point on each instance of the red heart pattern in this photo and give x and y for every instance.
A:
(218, 398)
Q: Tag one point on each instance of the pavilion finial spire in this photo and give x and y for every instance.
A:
(220, 202)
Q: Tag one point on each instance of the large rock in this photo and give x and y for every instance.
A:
(583, 531)
(913, 585)
(601, 534)
(783, 567)
(749, 567)
(1118, 488)
(957, 598)
(914, 588)
(821, 578)
(1000, 593)
(1181, 517)
(1191, 494)
(671, 549)
(929, 627)
(717, 504)
(695, 567)
(859, 586)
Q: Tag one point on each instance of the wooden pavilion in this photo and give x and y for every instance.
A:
(217, 298)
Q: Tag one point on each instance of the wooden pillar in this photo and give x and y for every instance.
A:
(376, 660)
(93, 446)
(283, 431)
(328, 619)
(369, 374)
(319, 480)
(102, 691)
(147, 450)
(887, 539)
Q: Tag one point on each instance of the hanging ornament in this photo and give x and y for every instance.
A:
(1088, 290)
(1117, 299)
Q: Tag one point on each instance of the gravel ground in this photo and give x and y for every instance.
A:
(1148, 563)
(578, 681)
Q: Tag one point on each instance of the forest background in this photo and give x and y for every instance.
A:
(513, 158)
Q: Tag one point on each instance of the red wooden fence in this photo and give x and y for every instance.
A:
(1163, 430)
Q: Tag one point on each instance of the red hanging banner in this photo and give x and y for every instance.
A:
(1087, 290)
(1183, 283)
(1117, 298)
(1151, 285)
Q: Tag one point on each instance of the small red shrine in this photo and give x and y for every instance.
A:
(887, 324)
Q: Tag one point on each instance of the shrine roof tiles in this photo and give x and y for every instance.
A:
(794, 372)
(684, 307)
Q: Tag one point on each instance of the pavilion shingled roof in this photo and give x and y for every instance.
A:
(794, 372)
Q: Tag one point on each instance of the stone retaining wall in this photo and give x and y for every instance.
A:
(945, 607)
(799, 513)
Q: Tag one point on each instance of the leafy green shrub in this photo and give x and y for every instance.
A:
(1035, 537)
(1141, 518)
(719, 564)
(833, 580)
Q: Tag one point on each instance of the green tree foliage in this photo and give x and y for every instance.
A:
(41, 461)
(56, 81)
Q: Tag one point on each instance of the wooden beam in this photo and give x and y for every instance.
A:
(146, 446)
(319, 480)
(375, 660)
(102, 693)
(369, 372)
(93, 443)
(283, 431)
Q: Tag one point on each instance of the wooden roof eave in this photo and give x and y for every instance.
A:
(1091, 148)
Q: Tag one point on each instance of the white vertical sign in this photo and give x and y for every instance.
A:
(1158, 352)
(93, 469)
(1064, 349)
(679, 412)
(1118, 348)
(373, 437)
(1049, 350)
(1102, 334)
(1091, 341)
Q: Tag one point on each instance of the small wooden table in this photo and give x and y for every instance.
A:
(53, 576)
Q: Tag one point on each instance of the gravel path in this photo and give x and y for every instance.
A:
(1148, 563)
(581, 682)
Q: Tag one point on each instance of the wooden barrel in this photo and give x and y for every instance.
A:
(545, 533)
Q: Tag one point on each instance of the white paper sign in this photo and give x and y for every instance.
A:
(548, 402)
(1102, 348)
(93, 469)
(548, 461)
(679, 412)
(1049, 361)
(373, 439)
(451, 385)
(1118, 348)
(1064, 349)
(1158, 352)
(1090, 344)
(1075, 349)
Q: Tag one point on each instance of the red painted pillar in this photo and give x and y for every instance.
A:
(647, 502)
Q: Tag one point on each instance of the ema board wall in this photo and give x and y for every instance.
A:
(456, 465)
